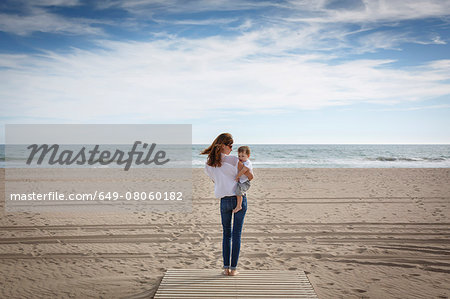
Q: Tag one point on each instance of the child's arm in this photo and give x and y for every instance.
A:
(249, 175)
(241, 172)
(247, 172)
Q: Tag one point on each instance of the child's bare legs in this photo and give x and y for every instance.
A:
(238, 205)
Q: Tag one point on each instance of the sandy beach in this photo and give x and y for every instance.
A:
(358, 233)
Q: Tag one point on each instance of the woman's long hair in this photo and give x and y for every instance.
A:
(214, 150)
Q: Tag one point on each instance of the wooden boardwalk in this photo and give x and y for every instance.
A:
(205, 283)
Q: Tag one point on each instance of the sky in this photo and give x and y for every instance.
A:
(308, 72)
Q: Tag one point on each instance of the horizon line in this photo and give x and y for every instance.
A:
(335, 143)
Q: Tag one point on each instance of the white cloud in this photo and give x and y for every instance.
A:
(304, 25)
(272, 64)
(371, 11)
(39, 20)
(54, 2)
(414, 108)
(178, 79)
(141, 7)
(373, 42)
(436, 40)
(392, 40)
(212, 21)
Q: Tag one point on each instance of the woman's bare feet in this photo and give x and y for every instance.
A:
(226, 272)
(233, 273)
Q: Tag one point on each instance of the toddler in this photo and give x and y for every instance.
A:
(243, 182)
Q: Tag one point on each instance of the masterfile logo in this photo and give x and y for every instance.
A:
(105, 157)
(98, 167)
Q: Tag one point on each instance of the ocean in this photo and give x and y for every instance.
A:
(315, 156)
(340, 155)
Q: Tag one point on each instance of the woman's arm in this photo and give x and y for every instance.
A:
(208, 172)
(248, 173)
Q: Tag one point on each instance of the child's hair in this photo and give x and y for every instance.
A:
(214, 150)
(244, 149)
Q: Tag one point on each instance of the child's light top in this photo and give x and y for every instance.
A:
(247, 164)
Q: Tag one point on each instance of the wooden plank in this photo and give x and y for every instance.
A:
(207, 283)
(174, 296)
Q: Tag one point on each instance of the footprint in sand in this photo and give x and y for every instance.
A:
(317, 256)
(361, 250)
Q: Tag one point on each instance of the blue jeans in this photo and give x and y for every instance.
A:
(227, 204)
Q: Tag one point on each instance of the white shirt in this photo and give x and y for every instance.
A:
(247, 164)
(224, 176)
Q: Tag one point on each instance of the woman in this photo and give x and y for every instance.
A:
(222, 169)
